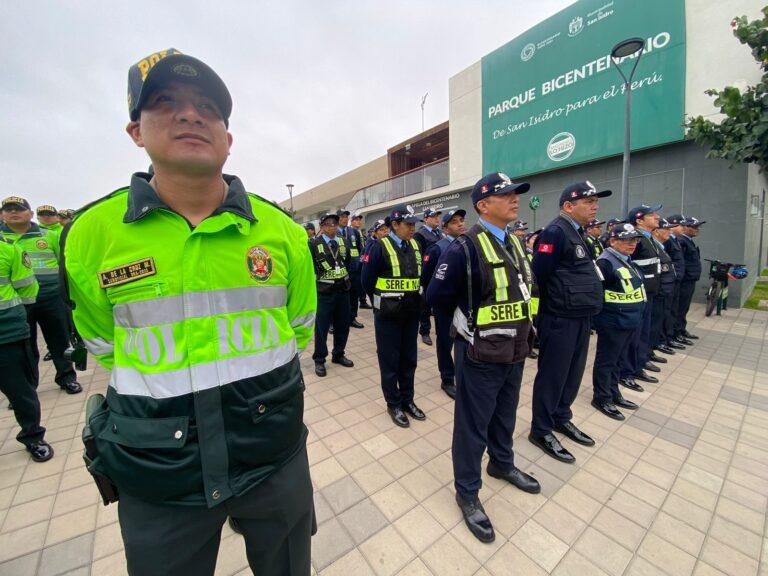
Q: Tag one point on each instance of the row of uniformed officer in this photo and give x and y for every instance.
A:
(686, 230)
(332, 258)
(391, 276)
(426, 237)
(483, 282)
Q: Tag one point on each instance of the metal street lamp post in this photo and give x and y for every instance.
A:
(622, 50)
(290, 195)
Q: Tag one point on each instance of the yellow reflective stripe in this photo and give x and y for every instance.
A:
(488, 251)
(393, 260)
(501, 281)
(631, 297)
(354, 252)
(624, 273)
(498, 313)
(397, 284)
(533, 306)
(417, 252)
(333, 274)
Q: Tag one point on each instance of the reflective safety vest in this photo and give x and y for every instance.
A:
(331, 270)
(42, 248)
(200, 328)
(533, 305)
(504, 316)
(355, 241)
(398, 286)
(17, 287)
(625, 295)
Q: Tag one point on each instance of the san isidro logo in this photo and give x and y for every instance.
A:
(561, 146)
(576, 26)
(528, 51)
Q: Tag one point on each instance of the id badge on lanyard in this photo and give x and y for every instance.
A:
(524, 288)
(338, 269)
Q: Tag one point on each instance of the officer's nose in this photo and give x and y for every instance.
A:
(187, 112)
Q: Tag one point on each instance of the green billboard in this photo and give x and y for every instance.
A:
(552, 98)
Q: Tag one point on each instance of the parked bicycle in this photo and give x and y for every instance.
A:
(717, 293)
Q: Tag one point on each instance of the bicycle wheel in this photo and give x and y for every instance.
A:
(712, 295)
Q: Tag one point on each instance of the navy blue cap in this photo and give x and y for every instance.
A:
(693, 222)
(451, 213)
(643, 210)
(309, 226)
(676, 219)
(623, 232)
(593, 223)
(429, 212)
(665, 224)
(341, 212)
(403, 213)
(496, 183)
(581, 190)
(325, 217)
(519, 226)
(378, 224)
(613, 221)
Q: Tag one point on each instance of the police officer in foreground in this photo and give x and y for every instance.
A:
(198, 297)
(426, 236)
(594, 230)
(48, 311)
(483, 280)
(672, 247)
(18, 288)
(571, 292)
(354, 241)
(453, 227)
(391, 277)
(686, 230)
(622, 313)
(332, 258)
(48, 218)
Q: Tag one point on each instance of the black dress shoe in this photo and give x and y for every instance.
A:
(426, 339)
(631, 384)
(449, 388)
(320, 369)
(235, 525)
(71, 387)
(40, 452)
(532, 354)
(676, 345)
(622, 402)
(551, 446)
(643, 377)
(516, 477)
(570, 430)
(652, 367)
(398, 416)
(344, 361)
(356, 324)
(684, 341)
(687, 334)
(665, 349)
(608, 409)
(414, 411)
(653, 357)
(476, 519)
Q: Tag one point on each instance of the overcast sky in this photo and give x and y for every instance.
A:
(318, 87)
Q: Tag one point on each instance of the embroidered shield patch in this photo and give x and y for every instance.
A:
(259, 263)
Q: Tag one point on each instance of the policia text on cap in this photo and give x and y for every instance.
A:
(198, 298)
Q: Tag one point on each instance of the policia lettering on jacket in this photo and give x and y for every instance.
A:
(203, 414)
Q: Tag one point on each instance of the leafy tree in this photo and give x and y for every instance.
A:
(742, 136)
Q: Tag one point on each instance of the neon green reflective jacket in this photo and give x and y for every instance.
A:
(42, 247)
(201, 328)
(17, 288)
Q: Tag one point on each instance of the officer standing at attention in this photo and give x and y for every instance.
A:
(48, 311)
(391, 277)
(18, 288)
(453, 227)
(332, 259)
(48, 218)
(378, 231)
(426, 237)
(571, 292)
(357, 223)
(668, 282)
(618, 320)
(198, 297)
(688, 229)
(672, 246)
(354, 240)
(483, 281)
(310, 228)
(594, 230)
(519, 229)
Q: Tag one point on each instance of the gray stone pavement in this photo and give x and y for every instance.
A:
(679, 488)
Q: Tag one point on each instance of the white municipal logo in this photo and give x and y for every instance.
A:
(576, 26)
(561, 146)
(528, 51)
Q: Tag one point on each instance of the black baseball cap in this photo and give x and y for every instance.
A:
(643, 210)
(325, 217)
(581, 190)
(451, 213)
(519, 226)
(309, 226)
(496, 183)
(613, 221)
(429, 212)
(623, 232)
(46, 209)
(15, 201)
(676, 219)
(403, 213)
(665, 224)
(378, 224)
(694, 222)
(160, 68)
(593, 223)
(342, 212)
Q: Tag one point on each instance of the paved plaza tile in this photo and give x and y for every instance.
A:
(679, 488)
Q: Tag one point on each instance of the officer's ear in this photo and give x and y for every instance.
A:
(134, 131)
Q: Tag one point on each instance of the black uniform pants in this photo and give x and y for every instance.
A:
(611, 344)
(563, 345)
(444, 344)
(425, 324)
(49, 313)
(18, 384)
(687, 288)
(658, 314)
(332, 308)
(397, 353)
(644, 336)
(484, 417)
(670, 315)
(275, 516)
(354, 292)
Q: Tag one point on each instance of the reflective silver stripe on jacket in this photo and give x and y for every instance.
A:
(646, 261)
(99, 346)
(6, 304)
(174, 383)
(23, 282)
(46, 271)
(306, 321)
(171, 309)
(31, 300)
(4, 280)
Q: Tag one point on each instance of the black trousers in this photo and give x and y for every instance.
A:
(355, 291)
(687, 288)
(670, 315)
(611, 343)
(17, 382)
(397, 353)
(425, 323)
(275, 516)
(658, 314)
(644, 336)
(444, 345)
(49, 313)
(484, 417)
(563, 345)
(332, 307)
